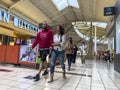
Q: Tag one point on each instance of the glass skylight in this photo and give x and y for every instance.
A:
(61, 4)
(87, 38)
(73, 3)
(99, 24)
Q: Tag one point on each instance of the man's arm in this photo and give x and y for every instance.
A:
(36, 41)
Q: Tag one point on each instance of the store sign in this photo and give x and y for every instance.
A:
(4, 16)
(22, 24)
(108, 11)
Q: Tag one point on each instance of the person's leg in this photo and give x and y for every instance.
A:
(109, 59)
(52, 65)
(61, 60)
(46, 65)
(68, 58)
(73, 60)
(46, 68)
(40, 67)
(37, 77)
(75, 55)
(44, 55)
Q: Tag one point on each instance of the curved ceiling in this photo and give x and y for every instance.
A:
(35, 11)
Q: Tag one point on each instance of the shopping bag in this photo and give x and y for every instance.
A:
(48, 58)
(38, 60)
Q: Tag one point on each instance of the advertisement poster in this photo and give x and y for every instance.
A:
(26, 55)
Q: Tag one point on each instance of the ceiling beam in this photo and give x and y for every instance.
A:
(61, 14)
(73, 13)
(53, 20)
(4, 5)
(17, 13)
(81, 7)
(15, 4)
(85, 13)
(94, 8)
(68, 28)
(91, 9)
(65, 17)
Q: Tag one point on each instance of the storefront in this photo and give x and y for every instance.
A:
(15, 39)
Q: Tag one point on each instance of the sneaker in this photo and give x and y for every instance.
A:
(64, 75)
(68, 68)
(45, 73)
(34, 77)
(51, 80)
(37, 77)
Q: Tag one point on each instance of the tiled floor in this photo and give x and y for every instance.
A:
(93, 75)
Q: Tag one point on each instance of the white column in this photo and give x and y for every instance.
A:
(109, 44)
(112, 43)
(95, 41)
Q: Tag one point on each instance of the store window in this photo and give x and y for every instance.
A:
(5, 40)
(11, 41)
(18, 41)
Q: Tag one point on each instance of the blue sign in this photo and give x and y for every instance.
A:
(108, 11)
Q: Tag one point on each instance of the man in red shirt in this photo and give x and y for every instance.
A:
(45, 39)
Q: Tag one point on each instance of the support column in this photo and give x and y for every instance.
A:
(109, 44)
(95, 42)
(90, 45)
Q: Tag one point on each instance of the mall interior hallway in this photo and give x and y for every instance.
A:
(93, 75)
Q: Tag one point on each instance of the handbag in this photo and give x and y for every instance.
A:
(48, 58)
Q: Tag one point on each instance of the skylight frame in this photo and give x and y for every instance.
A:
(61, 4)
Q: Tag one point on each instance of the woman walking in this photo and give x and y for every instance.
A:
(57, 52)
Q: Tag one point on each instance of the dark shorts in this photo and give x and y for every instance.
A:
(43, 54)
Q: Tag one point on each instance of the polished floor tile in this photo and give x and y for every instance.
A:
(93, 75)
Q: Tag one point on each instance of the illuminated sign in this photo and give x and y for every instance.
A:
(4, 16)
(108, 11)
(22, 24)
